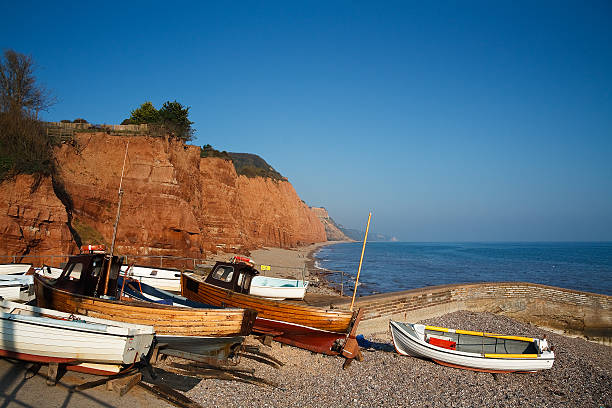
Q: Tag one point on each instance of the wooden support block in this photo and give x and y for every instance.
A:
(155, 352)
(122, 385)
(347, 363)
(267, 341)
(52, 374)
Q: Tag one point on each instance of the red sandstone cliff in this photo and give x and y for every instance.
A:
(331, 228)
(174, 202)
(32, 222)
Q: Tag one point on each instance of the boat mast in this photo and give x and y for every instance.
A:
(361, 260)
(120, 193)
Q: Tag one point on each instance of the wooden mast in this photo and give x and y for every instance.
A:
(361, 260)
(110, 258)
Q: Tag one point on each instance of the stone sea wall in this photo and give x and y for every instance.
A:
(573, 312)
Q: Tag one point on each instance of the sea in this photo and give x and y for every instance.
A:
(395, 266)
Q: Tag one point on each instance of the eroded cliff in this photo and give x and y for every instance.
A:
(174, 202)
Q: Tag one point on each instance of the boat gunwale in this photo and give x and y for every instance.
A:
(135, 303)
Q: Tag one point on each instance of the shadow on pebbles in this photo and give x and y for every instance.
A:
(581, 376)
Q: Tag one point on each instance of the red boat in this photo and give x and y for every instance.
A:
(316, 329)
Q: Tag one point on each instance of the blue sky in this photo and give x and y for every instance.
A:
(450, 121)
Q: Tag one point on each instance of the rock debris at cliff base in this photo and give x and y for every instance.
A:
(580, 377)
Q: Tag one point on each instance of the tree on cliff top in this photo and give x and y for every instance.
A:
(25, 147)
(171, 119)
(146, 113)
(175, 117)
(19, 91)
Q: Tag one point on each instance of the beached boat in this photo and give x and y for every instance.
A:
(313, 328)
(133, 289)
(161, 278)
(88, 286)
(48, 272)
(17, 287)
(477, 351)
(47, 336)
(14, 268)
(277, 288)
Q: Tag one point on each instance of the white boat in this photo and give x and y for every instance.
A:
(277, 288)
(14, 268)
(43, 335)
(17, 287)
(48, 272)
(477, 351)
(160, 278)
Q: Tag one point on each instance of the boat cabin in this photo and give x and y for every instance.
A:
(233, 276)
(85, 274)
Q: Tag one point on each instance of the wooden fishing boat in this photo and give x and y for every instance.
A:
(277, 288)
(17, 287)
(88, 286)
(136, 290)
(317, 329)
(14, 268)
(47, 336)
(477, 351)
(161, 278)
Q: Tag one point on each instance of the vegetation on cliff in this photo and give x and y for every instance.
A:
(172, 119)
(251, 165)
(25, 147)
(245, 164)
(209, 151)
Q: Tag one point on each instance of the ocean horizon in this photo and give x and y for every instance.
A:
(396, 266)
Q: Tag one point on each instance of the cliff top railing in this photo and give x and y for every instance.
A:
(64, 131)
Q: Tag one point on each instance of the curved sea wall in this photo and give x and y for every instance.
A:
(573, 312)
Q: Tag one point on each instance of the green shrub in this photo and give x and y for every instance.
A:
(208, 151)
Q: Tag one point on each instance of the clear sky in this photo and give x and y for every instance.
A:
(450, 121)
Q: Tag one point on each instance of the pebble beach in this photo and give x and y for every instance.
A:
(581, 375)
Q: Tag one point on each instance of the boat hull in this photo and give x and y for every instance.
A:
(308, 327)
(14, 269)
(167, 320)
(407, 342)
(17, 287)
(41, 335)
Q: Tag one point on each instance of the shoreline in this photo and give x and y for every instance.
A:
(297, 263)
(321, 273)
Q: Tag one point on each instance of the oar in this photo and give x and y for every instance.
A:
(361, 260)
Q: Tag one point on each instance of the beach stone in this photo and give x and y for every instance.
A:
(580, 377)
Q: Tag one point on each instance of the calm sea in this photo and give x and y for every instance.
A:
(392, 266)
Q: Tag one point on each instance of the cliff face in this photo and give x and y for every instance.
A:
(174, 202)
(32, 222)
(332, 231)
